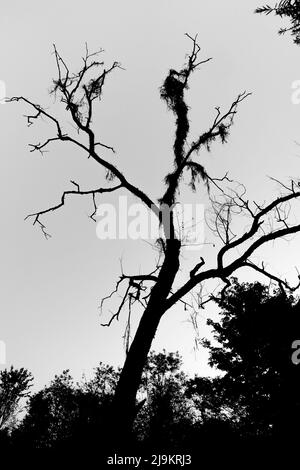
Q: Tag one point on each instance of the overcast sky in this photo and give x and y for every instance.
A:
(51, 290)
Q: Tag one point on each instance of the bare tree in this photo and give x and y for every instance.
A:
(155, 291)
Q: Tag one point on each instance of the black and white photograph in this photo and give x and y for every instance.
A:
(150, 231)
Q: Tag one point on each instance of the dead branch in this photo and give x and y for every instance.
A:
(259, 214)
(197, 267)
(133, 292)
(116, 315)
(172, 92)
(280, 282)
(78, 92)
(220, 127)
(92, 192)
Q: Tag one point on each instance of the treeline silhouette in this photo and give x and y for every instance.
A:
(254, 400)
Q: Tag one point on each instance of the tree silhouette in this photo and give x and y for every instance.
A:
(79, 93)
(64, 415)
(165, 414)
(256, 400)
(259, 391)
(14, 385)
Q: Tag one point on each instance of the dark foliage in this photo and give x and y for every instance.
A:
(261, 384)
(14, 385)
(289, 9)
(256, 400)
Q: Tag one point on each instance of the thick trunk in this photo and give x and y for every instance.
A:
(125, 396)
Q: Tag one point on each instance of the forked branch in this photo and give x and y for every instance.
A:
(253, 238)
(36, 216)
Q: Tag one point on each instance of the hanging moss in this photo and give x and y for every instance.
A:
(172, 92)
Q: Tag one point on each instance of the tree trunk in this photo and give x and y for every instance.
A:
(124, 405)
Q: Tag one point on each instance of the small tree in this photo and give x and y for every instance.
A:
(14, 385)
(51, 413)
(63, 414)
(259, 390)
(79, 92)
(164, 408)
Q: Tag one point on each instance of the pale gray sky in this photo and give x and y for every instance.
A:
(51, 289)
